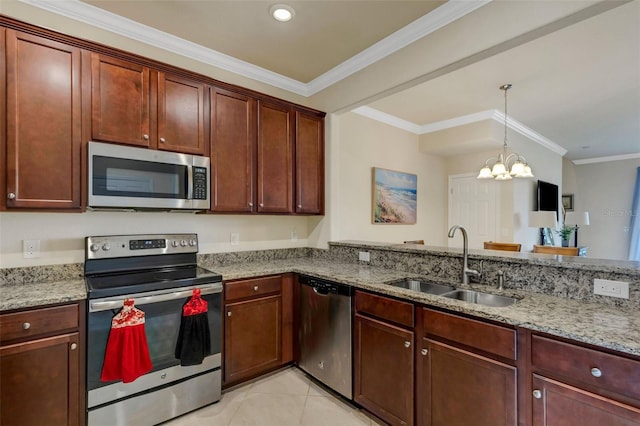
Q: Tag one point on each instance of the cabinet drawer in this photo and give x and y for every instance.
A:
(486, 337)
(617, 374)
(385, 308)
(251, 288)
(26, 324)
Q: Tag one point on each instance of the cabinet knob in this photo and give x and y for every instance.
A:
(595, 372)
(537, 394)
(26, 325)
(229, 313)
(250, 204)
(255, 288)
(299, 206)
(11, 195)
(163, 140)
(74, 346)
(145, 137)
(424, 351)
(407, 344)
(261, 204)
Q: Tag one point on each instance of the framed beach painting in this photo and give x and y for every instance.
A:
(394, 197)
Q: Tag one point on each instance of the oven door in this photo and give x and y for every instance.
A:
(163, 313)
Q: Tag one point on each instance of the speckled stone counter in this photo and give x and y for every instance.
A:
(607, 326)
(27, 295)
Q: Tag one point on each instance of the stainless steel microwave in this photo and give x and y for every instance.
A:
(137, 178)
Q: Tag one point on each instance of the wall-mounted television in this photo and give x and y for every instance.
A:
(548, 197)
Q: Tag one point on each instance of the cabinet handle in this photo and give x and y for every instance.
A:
(26, 325)
(145, 137)
(255, 288)
(595, 372)
(424, 351)
(229, 313)
(407, 344)
(537, 394)
(163, 140)
(11, 195)
(74, 346)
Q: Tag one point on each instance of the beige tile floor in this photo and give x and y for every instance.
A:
(287, 397)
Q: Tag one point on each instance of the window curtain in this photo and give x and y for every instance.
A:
(634, 244)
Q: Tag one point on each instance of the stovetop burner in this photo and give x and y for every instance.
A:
(127, 264)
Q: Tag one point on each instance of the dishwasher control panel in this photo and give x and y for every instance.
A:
(321, 286)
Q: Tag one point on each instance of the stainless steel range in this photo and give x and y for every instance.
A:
(159, 272)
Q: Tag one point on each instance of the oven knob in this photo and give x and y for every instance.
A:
(174, 243)
(183, 243)
(106, 247)
(94, 247)
(192, 243)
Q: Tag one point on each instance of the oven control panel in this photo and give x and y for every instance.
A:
(110, 246)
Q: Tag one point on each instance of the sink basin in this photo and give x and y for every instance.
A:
(424, 286)
(479, 298)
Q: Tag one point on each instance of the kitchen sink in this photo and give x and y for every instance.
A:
(424, 286)
(480, 298)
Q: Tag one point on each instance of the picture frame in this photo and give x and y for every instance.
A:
(394, 197)
(567, 202)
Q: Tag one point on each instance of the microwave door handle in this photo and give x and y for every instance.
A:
(106, 305)
(190, 182)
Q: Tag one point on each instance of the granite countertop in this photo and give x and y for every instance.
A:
(606, 326)
(610, 327)
(28, 295)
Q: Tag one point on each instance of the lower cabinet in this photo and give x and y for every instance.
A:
(383, 358)
(257, 327)
(41, 380)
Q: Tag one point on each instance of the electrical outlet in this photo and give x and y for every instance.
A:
(30, 249)
(294, 235)
(364, 256)
(235, 238)
(611, 288)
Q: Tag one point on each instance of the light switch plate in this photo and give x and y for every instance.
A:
(235, 238)
(611, 288)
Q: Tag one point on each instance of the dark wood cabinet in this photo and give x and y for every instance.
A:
(463, 388)
(384, 358)
(309, 164)
(181, 115)
(559, 404)
(253, 325)
(41, 367)
(43, 119)
(275, 158)
(232, 151)
(120, 101)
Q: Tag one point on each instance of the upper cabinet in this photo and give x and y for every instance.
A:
(43, 120)
(309, 163)
(135, 105)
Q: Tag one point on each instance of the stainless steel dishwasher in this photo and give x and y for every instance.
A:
(325, 332)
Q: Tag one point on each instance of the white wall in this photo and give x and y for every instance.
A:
(365, 143)
(605, 190)
(62, 234)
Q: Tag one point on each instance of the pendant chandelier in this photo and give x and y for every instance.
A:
(505, 167)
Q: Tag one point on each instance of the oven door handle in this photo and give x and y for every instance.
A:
(116, 303)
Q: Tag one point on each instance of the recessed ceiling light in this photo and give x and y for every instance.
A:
(282, 12)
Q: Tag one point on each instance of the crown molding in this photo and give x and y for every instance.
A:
(491, 114)
(606, 159)
(421, 27)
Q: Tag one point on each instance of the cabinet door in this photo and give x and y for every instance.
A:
(309, 164)
(44, 123)
(39, 382)
(253, 337)
(119, 101)
(558, 404)
(275, 162)
(462, 388)
(233, 153)
(383, 362)
(180, 115)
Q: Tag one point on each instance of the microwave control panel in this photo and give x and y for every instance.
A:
(199, 183)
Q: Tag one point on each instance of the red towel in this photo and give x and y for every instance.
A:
(194, 339)
(127, 355)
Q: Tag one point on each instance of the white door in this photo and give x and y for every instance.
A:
(473, 204)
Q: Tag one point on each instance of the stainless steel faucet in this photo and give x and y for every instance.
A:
(466, 271)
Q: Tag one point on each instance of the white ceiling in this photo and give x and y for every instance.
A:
(578, 86)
